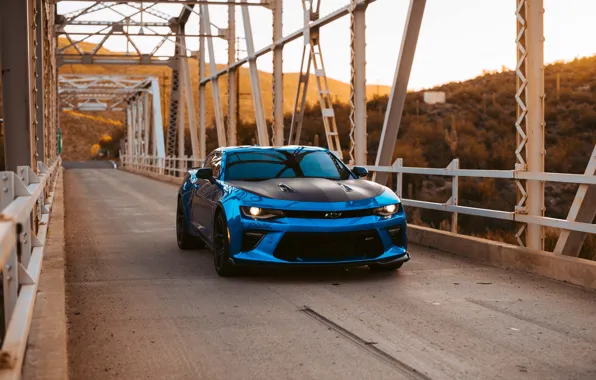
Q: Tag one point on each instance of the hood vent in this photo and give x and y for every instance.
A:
(285, 188)
(347, 189)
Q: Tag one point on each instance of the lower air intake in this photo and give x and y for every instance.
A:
(329, 247)
(250, 240)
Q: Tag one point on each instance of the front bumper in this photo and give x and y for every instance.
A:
(319, 242)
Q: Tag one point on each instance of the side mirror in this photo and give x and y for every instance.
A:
(360, 171)
(205, 173)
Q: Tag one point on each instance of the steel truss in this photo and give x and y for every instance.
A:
(530, 123)
(138, 96)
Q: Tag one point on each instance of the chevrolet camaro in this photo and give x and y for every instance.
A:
(291, 206)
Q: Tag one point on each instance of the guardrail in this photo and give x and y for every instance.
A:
(161, 166)
(26, 199)
(518, 215)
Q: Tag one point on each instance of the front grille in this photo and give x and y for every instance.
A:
(319, 247)
(325, 214)
(250, 240)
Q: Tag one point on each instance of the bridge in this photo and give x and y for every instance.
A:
(93, 285)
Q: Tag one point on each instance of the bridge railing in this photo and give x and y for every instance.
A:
(452, 205)
(26, 199)
(162, 166)
(173, 166)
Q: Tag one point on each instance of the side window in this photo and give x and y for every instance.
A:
(216, 165)
(207, 161)
(213, 161)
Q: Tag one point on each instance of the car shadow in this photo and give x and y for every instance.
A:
(333, 275)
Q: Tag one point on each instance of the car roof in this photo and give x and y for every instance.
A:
(256, 148)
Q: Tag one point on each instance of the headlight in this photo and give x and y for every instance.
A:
(261, 213)
(388, 210)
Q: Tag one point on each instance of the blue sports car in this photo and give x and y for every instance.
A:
(291, 205)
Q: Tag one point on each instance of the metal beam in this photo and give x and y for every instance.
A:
(202, 100)
(39, 62)
(260, 3)
(190, 103)
(175, 98)
(278, 88)
(232, 78)
(180, 132)
(219, 123)
(262, 134)
(397, 98)
(129, 131)
(287, 39)
(583, 210)
(535, 118)
(17, 54)
(358, 146)
(158, 138)
(134, 34)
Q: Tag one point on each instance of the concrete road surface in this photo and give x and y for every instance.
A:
(139, 308)
(95, 164)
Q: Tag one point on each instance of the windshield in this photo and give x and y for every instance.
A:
(268, 164)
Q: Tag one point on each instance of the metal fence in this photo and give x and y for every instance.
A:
(161, 166)
(518, 215)
(173, 166)
(26, 199)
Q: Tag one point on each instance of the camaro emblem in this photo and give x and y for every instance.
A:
(333, 215)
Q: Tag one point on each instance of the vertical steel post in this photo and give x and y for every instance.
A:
(255, 85)
(158, 140)
(146, 125)
(358, 147)
(39, 78)
(129, 132)
(202, 101)
(180, 133)
(141, 118)
(399, 189)
(232, 77)
(219, 123)
(454, 201)
(397, 98)
(49, 81)
(535, 117)
(175, 96)
(278, 89)
(521, 110)
(18, 82)
(190, 103)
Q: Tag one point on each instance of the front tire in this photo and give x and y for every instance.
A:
(221, 247)
(385, 267)
(185, 240)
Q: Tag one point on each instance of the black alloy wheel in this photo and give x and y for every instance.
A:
(221, 247)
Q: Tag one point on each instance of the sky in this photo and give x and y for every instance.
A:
(458, 39)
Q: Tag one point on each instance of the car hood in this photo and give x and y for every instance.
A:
(311, 189)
